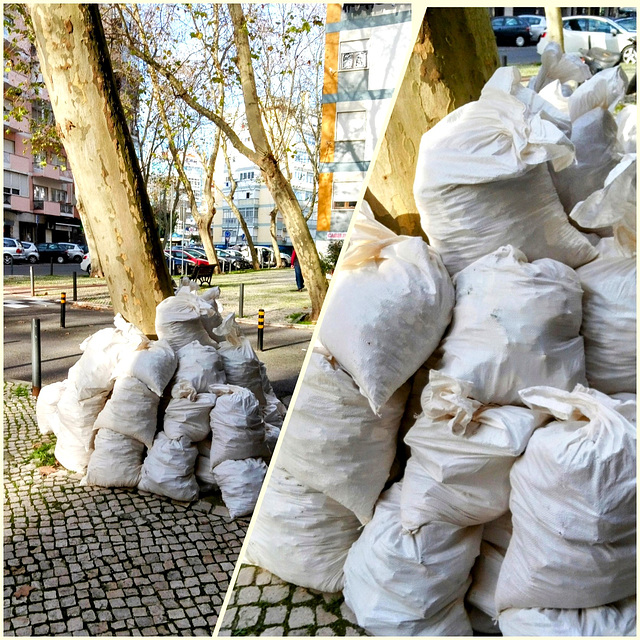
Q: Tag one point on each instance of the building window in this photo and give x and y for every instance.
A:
(41, 113)
(39, 159)
(58, 195)
(345, 195)
(39, 193)
(15, 184)
(353, 55)
(247, 175)
(248, 195)
(351, 128)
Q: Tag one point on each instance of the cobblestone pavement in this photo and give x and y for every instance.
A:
(93, 561)
(264, 605)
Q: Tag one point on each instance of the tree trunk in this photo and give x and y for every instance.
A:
(96, 268)
(203, 222)
(554, 25)
(77, 71)
(454, 55)
(273, 229)
(278, 185)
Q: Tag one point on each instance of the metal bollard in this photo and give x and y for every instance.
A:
(63, 310)
(503, 61)
(32, 278)
(241, 301)
(36, 362)
(75, 286)
(260, 329)
(51, 271)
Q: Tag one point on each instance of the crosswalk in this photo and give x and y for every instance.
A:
(24, 303)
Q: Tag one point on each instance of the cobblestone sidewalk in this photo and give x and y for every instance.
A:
(92, 561)
(263, 605)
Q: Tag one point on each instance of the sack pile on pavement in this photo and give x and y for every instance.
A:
(189, 412)
(500, 359)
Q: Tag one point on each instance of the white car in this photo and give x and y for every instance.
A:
(538, 25)
(85, 265)
(74, 252)
(30, 252)
(584, 32)
(13, 251)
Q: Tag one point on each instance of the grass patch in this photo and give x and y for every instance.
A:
(21, 391)
(43, 454)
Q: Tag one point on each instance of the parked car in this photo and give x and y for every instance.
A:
(237, 260)
(85, 264)
(511, 30)
(193, 255)
(13, 251)
(628, 23)
(49, 250)
(30, 252)
(176, 263)
(538, 25)
(584, 32)
(74, 251)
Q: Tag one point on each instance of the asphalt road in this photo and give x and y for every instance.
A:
(520, 55)
(64, 269)
(284, 348)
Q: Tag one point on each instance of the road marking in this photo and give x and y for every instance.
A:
(26, 302)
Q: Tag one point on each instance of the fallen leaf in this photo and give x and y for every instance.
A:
(23, 591)
(47, 470)
(18, 571)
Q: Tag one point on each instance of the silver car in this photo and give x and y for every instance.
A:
(538, 25)
(74, 252)
(30, 252)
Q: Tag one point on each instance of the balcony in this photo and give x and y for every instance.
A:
(17, 163)
(18, 203)
(13, 125)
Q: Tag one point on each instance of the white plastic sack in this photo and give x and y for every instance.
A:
(573, 504)
(627, 121)
(116, 460)
(301, 535)
(190, 418)
(612, 209)
(515, 325)
(335, 443)
(93, 373)
(131, 410)
(461, 455)
(242, 366)
(509, 80)
(271, 436)
(402, 584)
(482, 593)
(47, 407)
(178, 321)
(203, 472)
(199, 366)
(389, 305)
(237, 427)
(70, 451)
(77, 417)
(594, 136)
(213, 318)
(605, 90)
(240, 482)
(617, 619)
(498, 532)
(609, 321)
(474, 167)
(154, 365)
(560, 67)
(168, 469)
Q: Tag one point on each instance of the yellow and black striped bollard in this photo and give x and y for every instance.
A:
(63, 309)
(260, 329)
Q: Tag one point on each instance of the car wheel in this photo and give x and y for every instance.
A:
(89, 270)
(78, 259)
(520, 41)
(59, 259)
(629, 55)
(33, 259)
(7, 259)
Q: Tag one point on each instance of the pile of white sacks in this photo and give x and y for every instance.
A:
(191, 411)
(500, 359)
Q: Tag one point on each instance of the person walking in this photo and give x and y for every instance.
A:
(295, 264)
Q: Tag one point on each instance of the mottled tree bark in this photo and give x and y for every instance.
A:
(454, 55)
(279, 187)
(273, 230)
(77, 71)
(554, 25)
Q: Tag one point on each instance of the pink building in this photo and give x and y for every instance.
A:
(39, 196)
